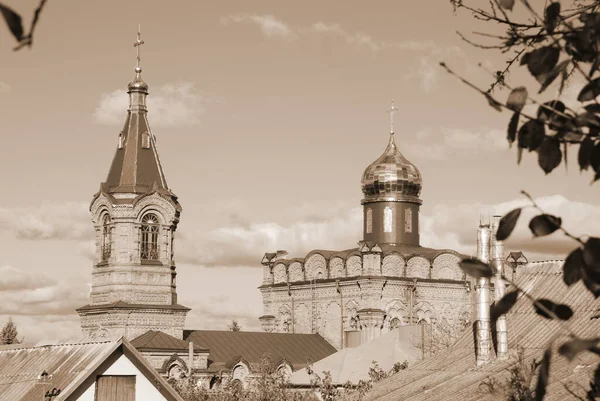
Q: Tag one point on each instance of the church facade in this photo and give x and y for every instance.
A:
(389, 280)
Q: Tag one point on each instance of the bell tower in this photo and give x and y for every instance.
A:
(135, 216)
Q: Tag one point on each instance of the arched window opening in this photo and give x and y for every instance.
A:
(105, 246)
(387, 219)
(395, 323)
(120, 140)
(285, 326)
(408, 221)
(369, 221)
(354, 323)
(149, 240)
(145, 140)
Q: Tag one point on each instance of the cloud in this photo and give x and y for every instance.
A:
(4, 87)
(339, 228)
(269, 25)
(33, 293)
(358, 39)
(170, 105)
(439, 145)
(68, 221)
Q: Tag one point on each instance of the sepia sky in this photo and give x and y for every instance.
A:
(266, 113)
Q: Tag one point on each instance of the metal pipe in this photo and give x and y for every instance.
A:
(499, 290)
(482, 290)
(190, 358)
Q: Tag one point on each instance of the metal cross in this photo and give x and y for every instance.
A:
(137, 45)
(392, 110)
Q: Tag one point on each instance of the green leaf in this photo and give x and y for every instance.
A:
(531, 135)
(544, 376)
(590, 91)
(549, 154)
(525, 58)
(551, 111)
(476, 268)
(13, 20)
(507, 224)
(507, 4)
(595, 158)
(493, 102)
(563, 312)
(592, 285)
(503, 306)
(552, 75)
(517, 98)
(573, 266)
(585, 153)
(543, 60)
(551, 16)
(544, 224)
(512, 128)
(572, 348)
(591, 253)
(593, 107)
(519, 154)
(587, 119)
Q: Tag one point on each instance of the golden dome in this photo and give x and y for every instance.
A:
(138, 84)
(391, 177)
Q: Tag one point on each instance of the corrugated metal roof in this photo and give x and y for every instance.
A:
(453, 375)
(226, 347)
(68, 364)
(157, 340)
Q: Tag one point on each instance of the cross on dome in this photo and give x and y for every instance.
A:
(391, 111)
(138, 44)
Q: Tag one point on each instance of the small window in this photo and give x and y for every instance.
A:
(105, 244)
(354, 323)
(369, 221)
(149, 240)
(145, 140)
(408, 221)
(395, 323)
(387, 219)
(121, 140)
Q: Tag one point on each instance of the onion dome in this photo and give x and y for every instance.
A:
(391, 177)
(138, 84)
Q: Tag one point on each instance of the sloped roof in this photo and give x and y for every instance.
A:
(352, 364)
(135, 169)
(159, 341)
(453, 375)
(227, 347)
(69, 363)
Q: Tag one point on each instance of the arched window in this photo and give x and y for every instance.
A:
(395, 323)
(408, 221)
(285, 326)
(387, 219)
(121, 140)
(354, 323)
(149, 240)
(369, 221)
(105, 245)
(145, 140)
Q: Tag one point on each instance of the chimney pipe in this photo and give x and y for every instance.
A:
(190, 358)
(482, 295)
(499, 290)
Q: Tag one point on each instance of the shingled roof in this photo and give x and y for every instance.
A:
(159, 341)
(453, 375)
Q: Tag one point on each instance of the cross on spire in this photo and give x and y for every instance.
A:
(137, 45)
(391, 111)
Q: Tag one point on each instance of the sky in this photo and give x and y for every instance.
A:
(266, 114)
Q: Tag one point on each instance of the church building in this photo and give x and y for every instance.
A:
(352, 296)
(134, 292)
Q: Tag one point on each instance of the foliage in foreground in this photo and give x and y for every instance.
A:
(553, 45)
(272, 385)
